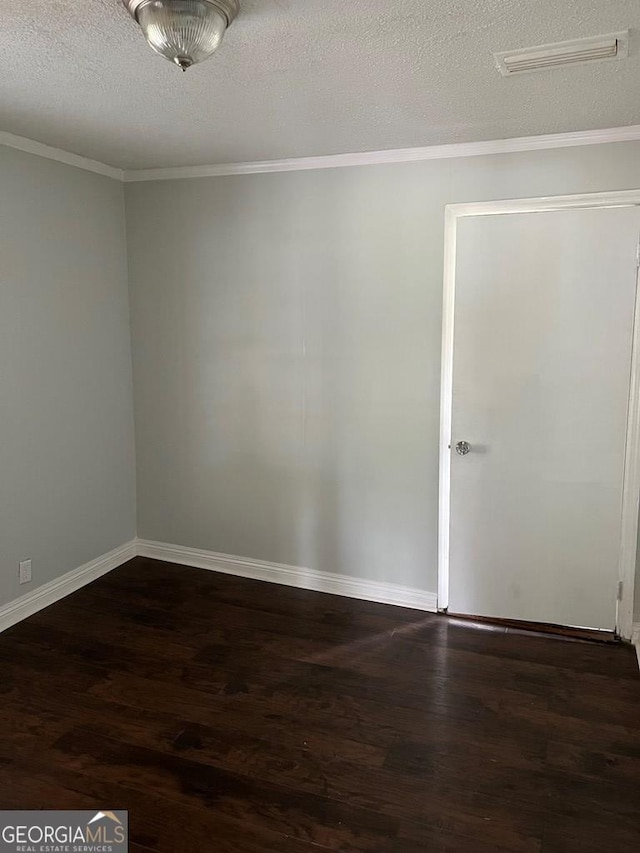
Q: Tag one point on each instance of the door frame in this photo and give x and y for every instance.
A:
(631, 476)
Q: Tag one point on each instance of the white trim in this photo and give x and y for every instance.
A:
(631, 490)
(30, 146)
(368, 590)
(56, 589)
(446, 392)
(398, 155)
(635, 639)
(332, 161)
(631, 484)
(613, 198)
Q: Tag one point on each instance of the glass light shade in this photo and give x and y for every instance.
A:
(183, 31)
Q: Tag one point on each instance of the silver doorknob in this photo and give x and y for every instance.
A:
(462, 448)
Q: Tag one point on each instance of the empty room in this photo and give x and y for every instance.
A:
(319, 426)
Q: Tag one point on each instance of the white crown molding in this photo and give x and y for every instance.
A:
(332, 161)
(368, 590)
(399, 155)
(49, 593)
(31, 147)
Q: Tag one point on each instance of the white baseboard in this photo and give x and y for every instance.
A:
(56, 589)
(368, 590)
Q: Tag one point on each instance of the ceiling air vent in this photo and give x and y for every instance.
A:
(594, 49)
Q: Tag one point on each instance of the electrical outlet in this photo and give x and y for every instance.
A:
(25, 571)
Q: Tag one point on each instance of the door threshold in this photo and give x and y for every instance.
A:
(564, 632)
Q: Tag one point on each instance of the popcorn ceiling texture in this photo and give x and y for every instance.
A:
(305, 77)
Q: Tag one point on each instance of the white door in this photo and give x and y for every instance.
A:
(543, 322)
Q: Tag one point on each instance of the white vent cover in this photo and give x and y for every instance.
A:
(594, 49)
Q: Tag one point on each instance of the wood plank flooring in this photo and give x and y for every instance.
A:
(234, 716)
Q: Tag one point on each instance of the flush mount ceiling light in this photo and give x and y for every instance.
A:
(183, 31)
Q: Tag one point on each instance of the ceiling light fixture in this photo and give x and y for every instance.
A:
(183, 31)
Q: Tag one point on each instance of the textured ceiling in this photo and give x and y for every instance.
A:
(304, 77)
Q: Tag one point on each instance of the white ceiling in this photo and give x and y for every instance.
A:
(297, 78)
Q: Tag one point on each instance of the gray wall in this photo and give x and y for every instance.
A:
(287, 353)
(66, 422)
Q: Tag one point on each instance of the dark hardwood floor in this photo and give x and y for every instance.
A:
(230, 715)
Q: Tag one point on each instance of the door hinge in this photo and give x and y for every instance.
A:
(620, 590)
